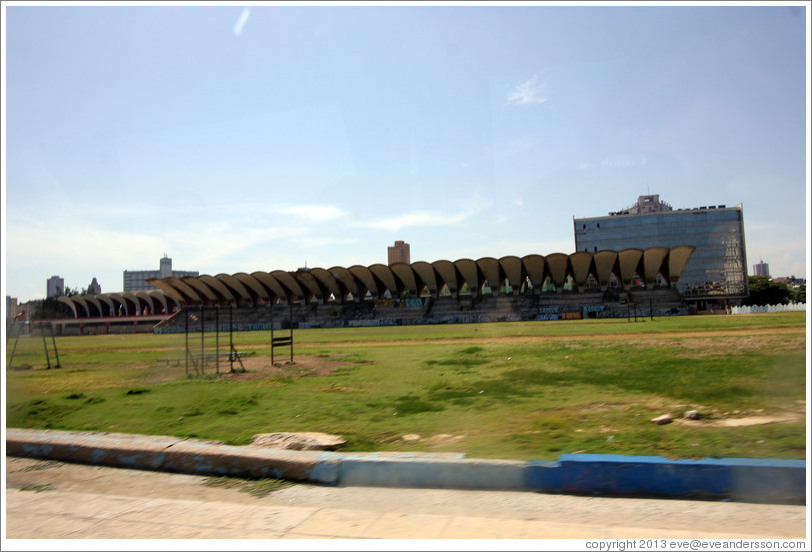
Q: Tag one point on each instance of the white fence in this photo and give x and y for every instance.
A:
(768, 308)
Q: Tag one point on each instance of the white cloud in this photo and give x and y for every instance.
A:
(528, 92)
(624, 161)
(429, 218)
(325, 241)
(311, 212)
(241, 21)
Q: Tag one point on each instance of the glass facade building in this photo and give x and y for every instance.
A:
(716, 270)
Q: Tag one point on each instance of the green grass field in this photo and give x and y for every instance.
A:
(519, 391)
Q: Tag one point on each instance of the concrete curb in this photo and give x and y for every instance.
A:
(743, 479)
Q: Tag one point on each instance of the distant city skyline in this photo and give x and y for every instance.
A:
(263, 137)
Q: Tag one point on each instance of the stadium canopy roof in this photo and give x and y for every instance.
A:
(128, 303)
(629, 266)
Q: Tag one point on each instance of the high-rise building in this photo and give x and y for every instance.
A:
(55, 286)
(399, 253)
(718, 267)
(11, 307)
(761, 269)
(94, 288)
(136, 280)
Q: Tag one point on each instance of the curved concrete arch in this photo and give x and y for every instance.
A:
(145, 300)
(224, 295)
(449, 276)
(67, 300)
(159, 297)
(385, 276)
(171, 304)
(201, 287)
(189, 294)
(581, 262)
(134, 301)
(348, 282)
(678, 257)
(366, 279)
(91, 299)
(172, 287)
(653, 259)
(238, 289)
(255, 289)
(327, 282)
(154, 300)
(105, 299)
(406, 275)
(490, 270)
(558, 265)
(629, 261)
(512, 269)
(273, 289)
(605, 265)
(536, 268)
(428, 277)
(312, 286)
(82, 302)
(163, 285)
(123, 303)
(470, 274)
(289, 281)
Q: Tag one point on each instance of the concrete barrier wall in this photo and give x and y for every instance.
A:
(744, 479)
(432, 472)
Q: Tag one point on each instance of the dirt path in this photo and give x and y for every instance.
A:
(575, 337)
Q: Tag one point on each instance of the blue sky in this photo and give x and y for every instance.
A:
(262, 137)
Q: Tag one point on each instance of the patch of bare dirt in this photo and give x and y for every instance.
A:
(742, 421)
(260, 367)
(703, 346)
(738, 418)
(437, 440)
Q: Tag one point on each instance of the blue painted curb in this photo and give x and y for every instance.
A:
(743, 479)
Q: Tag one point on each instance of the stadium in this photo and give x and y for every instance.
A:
(603, 284)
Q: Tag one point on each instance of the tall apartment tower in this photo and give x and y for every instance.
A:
(761, 269)
(166, 267)
(56, 286)
(399, 253)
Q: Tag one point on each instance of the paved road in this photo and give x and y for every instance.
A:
(54, 500)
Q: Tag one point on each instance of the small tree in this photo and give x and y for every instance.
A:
(764, 291)
(798, 295)
(52, 308)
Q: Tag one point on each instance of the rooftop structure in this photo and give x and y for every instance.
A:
(761, 269)
(55, 286)
(136, 280)
(399, 253)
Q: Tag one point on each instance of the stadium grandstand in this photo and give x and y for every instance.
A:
(603, 284)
